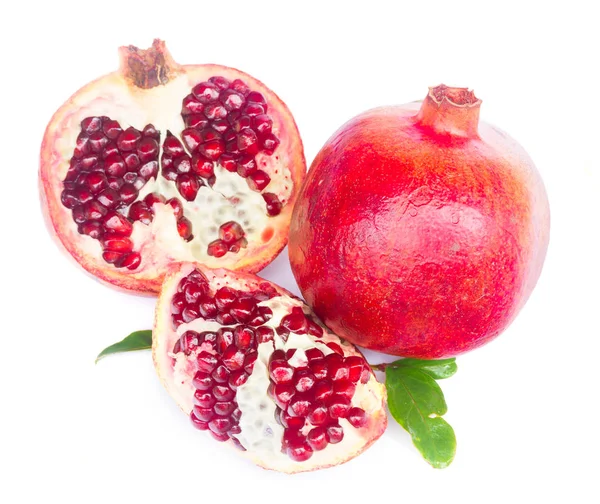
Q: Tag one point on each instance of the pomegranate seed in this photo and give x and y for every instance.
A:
(130, 261)
(191, 138)
(78, 214)
(115, 183)
(172, 146)
(206, 361)
(193, 292)
(91, 125)
(366, 375)
(190, 313)
(238, 378)
(262, 124)
(128, 139)
(281, 371)
(336, 348)
(317, 438)
(217, 248)
(178, 303)
(219, 425)
(246, 165)
(197, 120)
(215, 111)
(314, 329)
(304, 380)
(290, 353)
(204, 399)
(209, 338)
(222, 393)
(205, 92)
(111, 256)
(224, 339)
(357, 417)
(111, 129)
(108, 198)
(322, 391)
(132, 161)
(82, 146)
(212, 149)
(232, 100)
(128, 193)
(225, 318)
(241, 123)
(176, 205)
(274, 205)
(184, 228)
(264, 334)
(69, 199)
(283, 393)
(187, 185)
(230, 232)
(233, 358)
(239, 86)
(344, 387)
(338, 406)
(258, 180)
(254, 109)
(149, 170)
(337, 368)
(219, 437)
(220, 374)
(204, 414)
(355, 367)
(220, 82)
(319, 368)
(93, 229)
(225, 297)
(147, 149)
(242, 309)
(270, 143)
(190, 105)
(115, 166)
(202, 381)
(290, 422)
(207, 306)
(334, 432)
(93, 210)
(183, 165)
(189, 341)
(319, 415)
(236, 415)
(140, 212)
(199, 424)
(247, 142)
(295, 321)
(89, 162)
(153, 198)
(249, 361)
(300, 453)
(300, 405)
(238, 245)
(313, 354)
(243, 337)
(96, 181)
(224, 408)
(202, 166)
(116, 222)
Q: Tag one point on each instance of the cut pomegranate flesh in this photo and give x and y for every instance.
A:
(290, 402)
(211, 179)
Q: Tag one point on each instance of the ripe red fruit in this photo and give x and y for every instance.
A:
(247, 393)
(420, 231)
(95, 172)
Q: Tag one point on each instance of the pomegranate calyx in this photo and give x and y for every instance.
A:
(148, 68)
(450, 111)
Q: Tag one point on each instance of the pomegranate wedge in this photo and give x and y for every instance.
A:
(160, 162)
(252, 366)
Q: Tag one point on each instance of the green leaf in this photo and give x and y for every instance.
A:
(437, 369)
(417, 403)
(138, 340)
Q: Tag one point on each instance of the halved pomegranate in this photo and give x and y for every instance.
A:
(160, 162)
(251, 365)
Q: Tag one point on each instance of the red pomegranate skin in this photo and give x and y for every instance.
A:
(420, 231)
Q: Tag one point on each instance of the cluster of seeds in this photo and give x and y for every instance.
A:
(108, 168)
(226, 123)
(312, 390)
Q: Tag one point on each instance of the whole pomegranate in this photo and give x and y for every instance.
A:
(250, 364)
(160, 162)
(420, 231)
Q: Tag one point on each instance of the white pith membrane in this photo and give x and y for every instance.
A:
(229, 199)
(261, 435)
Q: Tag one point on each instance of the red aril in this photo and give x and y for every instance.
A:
(252, 387)
(420, 231)
(154, 131)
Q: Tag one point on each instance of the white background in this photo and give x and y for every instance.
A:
(524, 408)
